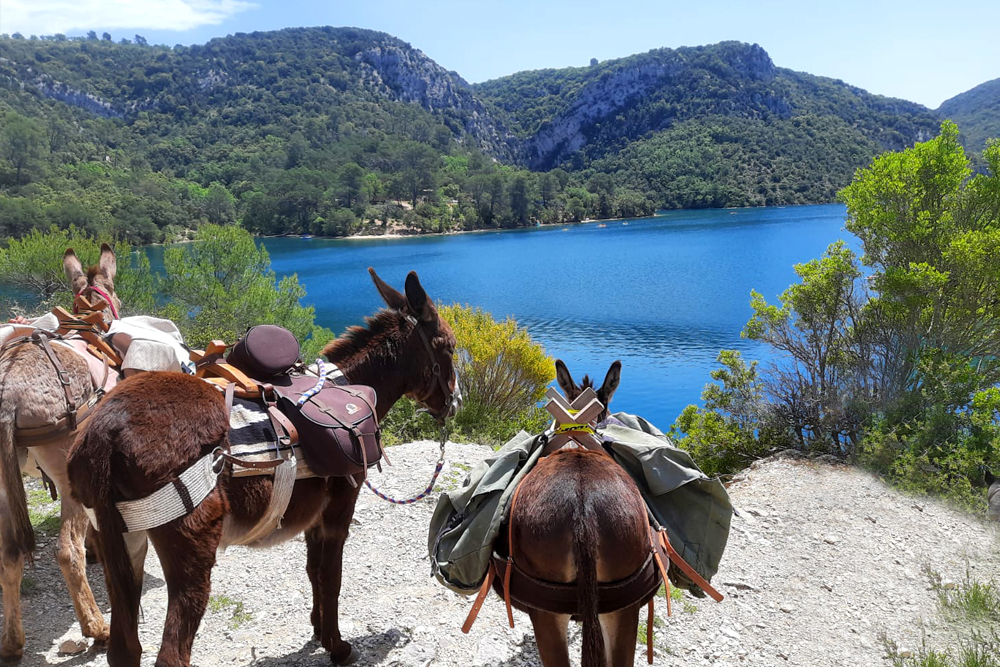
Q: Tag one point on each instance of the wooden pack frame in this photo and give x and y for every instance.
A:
(574, 420)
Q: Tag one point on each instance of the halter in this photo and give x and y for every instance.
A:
(436, 370)
(101, 293)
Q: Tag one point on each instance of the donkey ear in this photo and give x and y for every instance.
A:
(390, 295)
(990, 478)
(564, 379)
(108, 262)
(74, 271)
(420, 305)
(610, 383)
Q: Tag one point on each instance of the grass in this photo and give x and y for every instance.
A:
(970, 600)
(28, 585)
(970, 606)
(238, 615)
(979, 650)
(677, 597)
(43, 512)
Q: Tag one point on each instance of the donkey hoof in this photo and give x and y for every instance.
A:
(351, 658)
(8, 657)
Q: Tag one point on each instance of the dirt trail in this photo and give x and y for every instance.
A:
(821, 563)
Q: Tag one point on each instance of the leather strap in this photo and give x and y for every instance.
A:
(676, 559)
(650, 618)
(435, 368)
(42, 337)
(510, 552)
(278, 420)
(480, 598)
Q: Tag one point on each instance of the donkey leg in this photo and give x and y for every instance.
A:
(335, 526)
(72, 561)
(620, 631)
(12, 635)
(550, 635)
(314, 563)
(187, 551)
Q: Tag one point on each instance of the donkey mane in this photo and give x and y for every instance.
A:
(363, 340)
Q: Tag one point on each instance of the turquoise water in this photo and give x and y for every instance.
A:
(662, 294)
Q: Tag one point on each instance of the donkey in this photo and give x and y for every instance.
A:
(31, 392)
(154, 426)
(579, 517)
(993, 495)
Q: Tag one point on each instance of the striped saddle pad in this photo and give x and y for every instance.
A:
(252, 438)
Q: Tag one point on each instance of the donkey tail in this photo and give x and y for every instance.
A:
(89, 467)
(585, 552)
(22, 535)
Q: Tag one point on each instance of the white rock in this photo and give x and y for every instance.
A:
(73, 646)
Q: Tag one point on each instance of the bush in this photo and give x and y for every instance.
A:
(503, 375)
(730, 432)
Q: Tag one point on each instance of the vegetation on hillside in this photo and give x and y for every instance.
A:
(891, 358)
(977, 112)
(704, 126)
(286, 132)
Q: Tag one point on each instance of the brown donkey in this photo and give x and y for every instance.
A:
(31, 392)
(154, 426)
(579, 517)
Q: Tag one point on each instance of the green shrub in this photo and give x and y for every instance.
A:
(731, 431)
(503, 374)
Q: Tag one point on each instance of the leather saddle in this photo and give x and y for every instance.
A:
(335, 424)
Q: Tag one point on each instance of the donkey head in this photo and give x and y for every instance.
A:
(430, 342)
(993, 496)
(98, 282)
(604, 394)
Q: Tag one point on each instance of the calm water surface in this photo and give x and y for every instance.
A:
(662, 294)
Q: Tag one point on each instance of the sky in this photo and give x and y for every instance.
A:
(920, 50)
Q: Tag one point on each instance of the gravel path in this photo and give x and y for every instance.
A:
(823, 561)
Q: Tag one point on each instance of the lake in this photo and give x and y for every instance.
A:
(663, 294)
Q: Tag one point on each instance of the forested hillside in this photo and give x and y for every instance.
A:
(705, 126)
(310, 130)
(977, 113)
(340, 130)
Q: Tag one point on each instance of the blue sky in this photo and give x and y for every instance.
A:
(917, 49)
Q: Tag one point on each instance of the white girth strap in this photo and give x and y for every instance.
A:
(281, 493)
(168, 502)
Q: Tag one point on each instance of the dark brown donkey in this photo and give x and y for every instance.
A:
(579, 517)
(154, 426)
(31, 394)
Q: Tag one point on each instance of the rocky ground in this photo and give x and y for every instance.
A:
(823, 562)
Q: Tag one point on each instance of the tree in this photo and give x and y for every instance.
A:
(91, 35)
(140, 40)
(106, 36)
(593, 62)
(219, 204)
(520, 199)
(222, 283)
(21, 143)
(418, 164)
(34, 263)
(351, 179)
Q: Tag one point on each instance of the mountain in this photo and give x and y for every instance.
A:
(977, 113)
(335, 130)
(711, 125)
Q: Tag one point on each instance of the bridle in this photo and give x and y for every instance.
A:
(101, 293)
(436, 371)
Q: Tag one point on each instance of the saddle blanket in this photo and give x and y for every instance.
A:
(252, 438)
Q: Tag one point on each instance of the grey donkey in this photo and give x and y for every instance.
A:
(31, 393)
